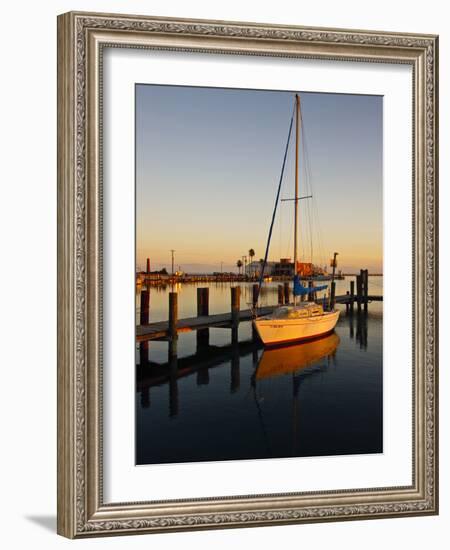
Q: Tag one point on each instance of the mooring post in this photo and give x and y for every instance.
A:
(358, 291)
(333, 295)
(280, 295)
(366, 289)
(145, 307)
(202, 301)
(255, 294)
(333, 285)
(173, 314)
(235, 303)
(202, 310)
(347, 305)
(286, 292)
(352, 295)
(235, 309)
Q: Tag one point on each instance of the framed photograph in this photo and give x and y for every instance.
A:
(247, 283)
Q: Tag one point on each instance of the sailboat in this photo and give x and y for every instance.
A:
(299, 320)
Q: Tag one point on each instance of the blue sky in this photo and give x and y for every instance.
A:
(208, 162)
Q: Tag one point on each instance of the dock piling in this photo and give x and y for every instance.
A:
(145, 307)
(255, 293)
(202, 310)
(352, 295)
(173, 314)
(366, 288)
(333, 295)
(235, 303)
(235, 309)
(202, 301)
(359, 290)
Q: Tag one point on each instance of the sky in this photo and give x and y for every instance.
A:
(208, 163)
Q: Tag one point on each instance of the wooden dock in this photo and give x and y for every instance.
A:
(160, 330)
(164, 330)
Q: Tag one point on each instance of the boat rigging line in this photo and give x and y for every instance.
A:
(261, 277)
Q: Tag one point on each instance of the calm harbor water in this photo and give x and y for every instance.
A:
(222, 401)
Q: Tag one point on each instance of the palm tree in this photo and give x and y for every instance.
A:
(239, 265)
(251, 253)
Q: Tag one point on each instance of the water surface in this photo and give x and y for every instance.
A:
(218, 400)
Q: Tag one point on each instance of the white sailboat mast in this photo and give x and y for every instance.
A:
(296, 199)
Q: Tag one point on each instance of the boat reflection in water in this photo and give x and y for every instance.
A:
(290, 359)
(298, 362)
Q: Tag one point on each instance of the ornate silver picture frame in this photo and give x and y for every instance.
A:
(82, 38)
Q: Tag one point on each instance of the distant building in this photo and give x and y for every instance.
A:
(253, 269)
(284, 268)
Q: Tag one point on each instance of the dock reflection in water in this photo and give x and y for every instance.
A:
(210, 398)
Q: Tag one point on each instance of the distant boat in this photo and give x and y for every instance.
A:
(299, 320)
(287, 359)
